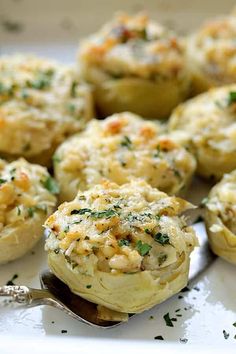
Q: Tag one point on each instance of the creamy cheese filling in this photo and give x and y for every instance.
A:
(120, 229)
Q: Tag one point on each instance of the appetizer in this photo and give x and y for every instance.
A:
(122, 247)
(211, 53)
(27, 198)
(209, 122)
(220, 217)
(41, 104)
(120, 148)
(135, 65)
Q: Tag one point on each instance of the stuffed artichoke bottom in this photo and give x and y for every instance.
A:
(208, 125)
(122, 247)
(221, 218)
(135, 65)
(26, 200)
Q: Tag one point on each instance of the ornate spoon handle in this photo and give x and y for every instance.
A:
(27, 296)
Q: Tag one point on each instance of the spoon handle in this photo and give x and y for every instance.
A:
(26, 296)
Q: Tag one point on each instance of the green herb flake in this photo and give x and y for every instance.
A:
(73, 89)
(71, 108)
(89, 286)
(66, 229)
(51, 185)
(185, 289)
(82, 197)
(126, 142)
(123, 242)
(234, 324)
(231, 97)
(143, 248)
(2, 180)
(161, 238)
(168, 320)
(104, 214)
(80, 211)
(42, 81)
(225, 334)
(18, 210)
(147, 231)
(11, 281)
(31, 211)
(159, 338)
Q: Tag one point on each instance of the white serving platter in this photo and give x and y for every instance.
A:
(52, 28)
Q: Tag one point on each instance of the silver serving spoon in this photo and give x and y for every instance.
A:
(55, 293)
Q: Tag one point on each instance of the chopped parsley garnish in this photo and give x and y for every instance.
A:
(168, 320)
(234, 324)
(88, 286)
(147, 231)
(2, 180)
(40, 83)
(126, 142)
(82, 197)
(66, 229)
(232, 97)
(159, 338)
(226, 335)
(163, 239)
(80, 211)
(143, 248)
(31, 211)
(71, 108)
(185, 289)
(63, 331)
(51, 185)
(73, 89)
(183, 340)
(104, 214)
(11, 281)
(95, 214)
(176, 173)
(123, 242)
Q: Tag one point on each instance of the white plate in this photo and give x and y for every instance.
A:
(52, 28)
